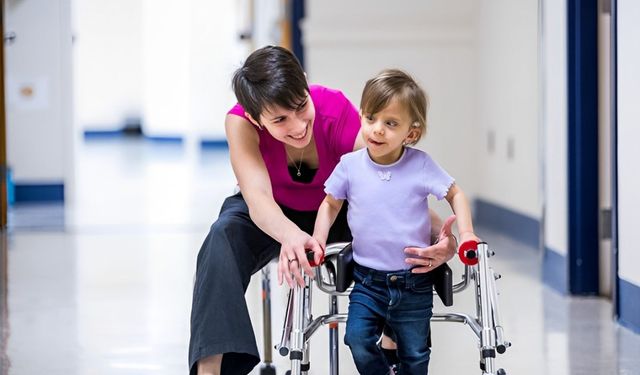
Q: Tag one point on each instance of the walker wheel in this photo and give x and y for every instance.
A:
(468, 253)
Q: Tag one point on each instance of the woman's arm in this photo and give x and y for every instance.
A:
(359, 143)
(255, 185)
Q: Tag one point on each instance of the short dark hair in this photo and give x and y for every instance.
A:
(271, 76)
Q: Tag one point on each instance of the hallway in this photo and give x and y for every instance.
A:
(104, 286)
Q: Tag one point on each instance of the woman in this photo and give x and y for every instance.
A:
(285, 137)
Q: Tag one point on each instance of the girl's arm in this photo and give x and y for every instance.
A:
(327, 213)
(255, 185)
(460, 206)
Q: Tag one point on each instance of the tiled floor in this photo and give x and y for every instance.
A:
(103, 285)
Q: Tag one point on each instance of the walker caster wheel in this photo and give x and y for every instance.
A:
(268, 370)
(288, 372)
(501, 372)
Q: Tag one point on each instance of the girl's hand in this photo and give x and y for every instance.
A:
(469, 236)
(293, 258)
(429, 258)
(322, 242)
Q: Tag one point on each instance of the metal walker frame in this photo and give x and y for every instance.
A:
(299, 324)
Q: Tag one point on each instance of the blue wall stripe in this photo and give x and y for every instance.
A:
(510, 223)
(164, 139)
(582, 73)
(554, 271)
(95, 134)
(38, 192)
(629, 305)
(102, 134)
(214, 144)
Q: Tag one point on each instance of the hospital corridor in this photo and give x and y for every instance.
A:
(115, 165)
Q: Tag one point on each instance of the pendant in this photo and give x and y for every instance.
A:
(299, 174)
(384, 176)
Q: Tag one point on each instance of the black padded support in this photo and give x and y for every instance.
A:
(344, 272)
(443, 283)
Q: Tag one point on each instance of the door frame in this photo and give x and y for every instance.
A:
(583, 199)
(3, 133)
(615, 292)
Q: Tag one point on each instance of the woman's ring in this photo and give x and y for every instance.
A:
(430, 264)
(293, 260)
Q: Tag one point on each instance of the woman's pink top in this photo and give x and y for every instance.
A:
(335, 129)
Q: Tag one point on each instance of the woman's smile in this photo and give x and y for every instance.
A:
(303, 135)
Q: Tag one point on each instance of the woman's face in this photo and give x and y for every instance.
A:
(293, 127)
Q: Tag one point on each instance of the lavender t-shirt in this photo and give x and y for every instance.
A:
(388, 208)
(335, 128)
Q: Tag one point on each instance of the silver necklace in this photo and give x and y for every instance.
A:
(297, 167)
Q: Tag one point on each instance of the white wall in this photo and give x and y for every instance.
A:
(554, 55)
(165, 65)
(108, 62)
(38, 91)
(433, 41)
(628, 135)
(215, 54)
(267, 22)
(168, 62)
(507, 96)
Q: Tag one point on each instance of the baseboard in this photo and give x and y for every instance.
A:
(100, 134)
(38, 192)
(211, 144)
(117, 133)
(515, 225)
(165, 138)
(629, 314)
(555, 271)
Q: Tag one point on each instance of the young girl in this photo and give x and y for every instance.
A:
(387, 185)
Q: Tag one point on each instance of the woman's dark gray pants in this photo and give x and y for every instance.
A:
(235, 249)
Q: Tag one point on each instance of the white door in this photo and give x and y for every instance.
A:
(38, 91)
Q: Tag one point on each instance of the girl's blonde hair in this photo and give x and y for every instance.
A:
(394, 83)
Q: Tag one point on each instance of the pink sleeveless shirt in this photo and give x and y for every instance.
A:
(335, 129)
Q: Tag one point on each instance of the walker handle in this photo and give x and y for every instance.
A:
(310, 258)
(468, 253)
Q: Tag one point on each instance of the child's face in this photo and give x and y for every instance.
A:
(293, 127)
(384, 132)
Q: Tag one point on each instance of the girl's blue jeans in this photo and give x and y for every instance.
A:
(401, 300)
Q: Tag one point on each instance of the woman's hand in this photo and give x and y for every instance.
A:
(428, 258)
(293, 258)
